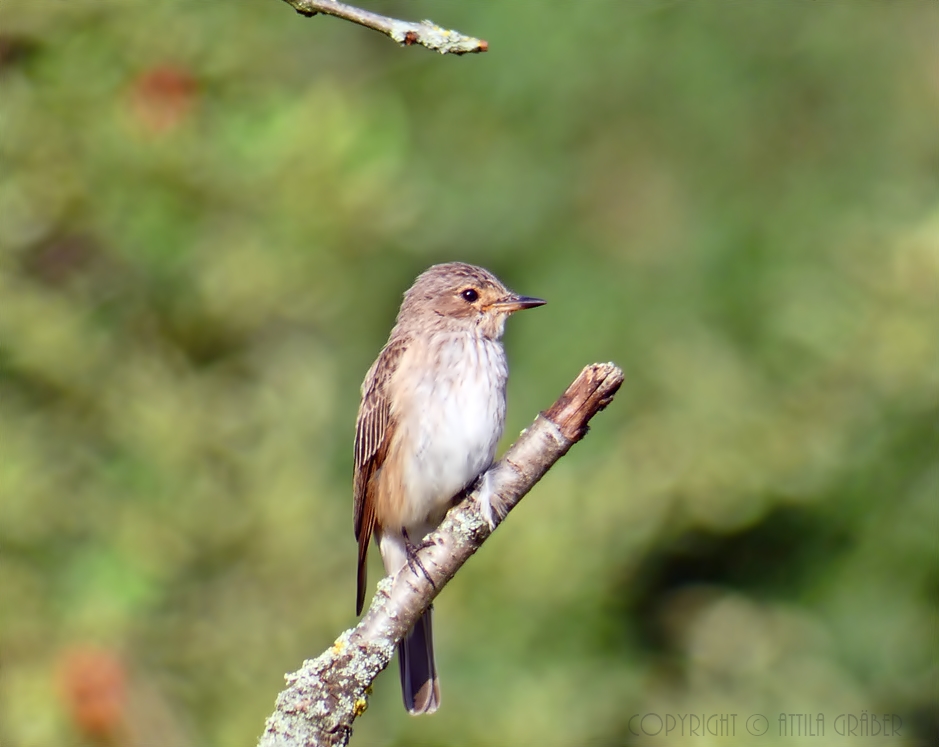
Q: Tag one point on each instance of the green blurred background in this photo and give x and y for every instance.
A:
(208, 212)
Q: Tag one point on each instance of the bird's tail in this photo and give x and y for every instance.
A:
(419, 683)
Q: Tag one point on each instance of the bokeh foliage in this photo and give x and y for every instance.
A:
(208, 211)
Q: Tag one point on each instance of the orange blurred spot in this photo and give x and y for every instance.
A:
(93, 687)
(162, 97)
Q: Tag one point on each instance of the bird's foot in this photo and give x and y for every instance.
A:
(490, 504)
(411, 550)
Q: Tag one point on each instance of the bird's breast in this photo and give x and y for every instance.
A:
(448, 404)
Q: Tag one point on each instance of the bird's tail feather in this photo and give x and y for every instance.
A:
(419, 683)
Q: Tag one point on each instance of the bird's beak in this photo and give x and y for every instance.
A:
(513, 303)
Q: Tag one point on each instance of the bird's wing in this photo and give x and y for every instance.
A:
(372, 431)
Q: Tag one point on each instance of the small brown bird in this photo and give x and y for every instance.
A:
(432, 413)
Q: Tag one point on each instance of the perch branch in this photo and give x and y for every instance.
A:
(426, 33)
(325, 696)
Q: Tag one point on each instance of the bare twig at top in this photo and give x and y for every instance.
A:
(424, 33)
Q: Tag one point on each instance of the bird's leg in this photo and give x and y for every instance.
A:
(411, 551)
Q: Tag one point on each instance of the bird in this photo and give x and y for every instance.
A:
(431, 416)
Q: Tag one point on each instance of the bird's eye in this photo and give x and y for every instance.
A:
(469, 295)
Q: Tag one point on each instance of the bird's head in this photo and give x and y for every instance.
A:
(461, 296)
